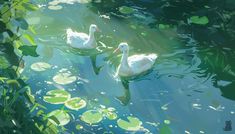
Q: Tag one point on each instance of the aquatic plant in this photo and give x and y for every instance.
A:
(19, 110)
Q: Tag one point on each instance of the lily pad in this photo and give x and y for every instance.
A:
(163, 26)
(111, 115)
(109, 112)
(92, 117)
(57, 7)
(75, 103)
(56, 2)
(133, 124)
(126, 10)
(64, 78)
(40, 66)
(199, 20)
(79, 127)
(57, 96)
(164, 129)
(167, 121)
(59, 117)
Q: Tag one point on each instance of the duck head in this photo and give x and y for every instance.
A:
(123, 47)
(94, 28)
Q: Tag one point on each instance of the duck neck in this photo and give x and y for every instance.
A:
(124, 60)
(91, 39)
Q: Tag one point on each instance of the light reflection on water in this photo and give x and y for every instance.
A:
(172, 83)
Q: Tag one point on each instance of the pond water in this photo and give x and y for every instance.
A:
(172, 91)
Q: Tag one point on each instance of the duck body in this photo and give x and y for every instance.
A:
(135, 64)
(82, 40)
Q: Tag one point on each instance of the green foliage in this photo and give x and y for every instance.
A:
(57, 96)
(29, 51)
(126, 10)
(133, 124)
(199, 20)
(17, 102)
(92, 117)
(164, 129)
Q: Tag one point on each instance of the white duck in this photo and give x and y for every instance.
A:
(82, 40)
(133, 65)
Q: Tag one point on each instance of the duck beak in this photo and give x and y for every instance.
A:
(116, 50)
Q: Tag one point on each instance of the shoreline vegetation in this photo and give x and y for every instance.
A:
(18, 112)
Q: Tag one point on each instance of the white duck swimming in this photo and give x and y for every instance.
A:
(133, 65)
(82, 40)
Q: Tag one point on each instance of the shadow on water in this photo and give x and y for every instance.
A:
(125, 99)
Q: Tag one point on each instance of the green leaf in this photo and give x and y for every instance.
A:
(5, 13)
(57, 7)
(2, 79)
(92, 117)
(21, 22)
(79, 127)
(30, 39)
(64, 78)
(40, 66)
(30, 7)
(4, 64)
(111, 115)
(29, 51)
(31, 28)
(164, 129)
(57, 96)
(163, 26)
(126, 10)
(59, 117)
(199, 20)
(54, 119)
(133, 124)
(75, 103)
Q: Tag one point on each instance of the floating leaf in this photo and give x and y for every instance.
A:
(64, 78)
(167, 121)
(199, 20)
(57, 7)
(163, 26)
(40, 66)
(164, 129)
(75, 103)
(109, 112)
(29, 50)
(59, 117)
(57, 96)
(79, 127)
(133, 124)
(92, 117)
(126, 10)
(111, 115)
(56, 2)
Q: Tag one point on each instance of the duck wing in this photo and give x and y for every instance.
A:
(76, 39)
(141, 63)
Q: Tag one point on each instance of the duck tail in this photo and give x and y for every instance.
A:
(69, 31)
(153, 56)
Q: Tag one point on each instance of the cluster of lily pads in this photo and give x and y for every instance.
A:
(93, 116)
